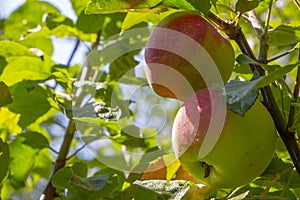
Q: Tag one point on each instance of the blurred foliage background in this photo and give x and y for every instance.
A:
(46, 48)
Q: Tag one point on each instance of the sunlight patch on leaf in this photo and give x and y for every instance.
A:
(112, 6)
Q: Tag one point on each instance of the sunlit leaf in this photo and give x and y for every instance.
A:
(111, 6)
(23, 64)
(28, 16)
(22, 161)
(79, 6)
(12, 50)
(184, 5)
(40, 40)
(284, 35)
(134, 18)
(31, 103)
(175, 189)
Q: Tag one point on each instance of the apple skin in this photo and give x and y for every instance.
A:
(163, 80)
(243, 151)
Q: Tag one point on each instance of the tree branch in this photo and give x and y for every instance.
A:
(234, 32)
(49, 193)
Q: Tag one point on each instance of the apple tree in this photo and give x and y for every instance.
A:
(80, 117)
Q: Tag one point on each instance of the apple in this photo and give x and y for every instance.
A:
(244, 146)
(185, 53)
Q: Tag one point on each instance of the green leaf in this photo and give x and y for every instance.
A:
(175, 189)
(30, 102)
(113, 186)
(53, 20)
(245, 5)
(79, 6)
(122, 65)
(134, 18)
(12, 50)
(27, 16)
(131, 137)
(4, 160)
(63, 30)
(65, 178)
(62, 178)
(203, 6)
(296, 123)
(284, 35)
(274, 75)
(3, 64)
(277, 165)
(243, 59)
(40, 40)
(113, 24)
(149, 135)
(90, 23)
(113, 6)
(5, 94)
(183, 5)
(35, 140)
(240, 196)
(91, 183)
(22, 161)
(80, 169)
(23, 64)
(240, 96)
(41, 166)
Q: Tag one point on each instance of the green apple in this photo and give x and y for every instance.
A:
(244, 147)
(185, 53)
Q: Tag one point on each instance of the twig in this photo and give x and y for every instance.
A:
(51, 148)
(50, 192)
(73, 154)
(73, 52)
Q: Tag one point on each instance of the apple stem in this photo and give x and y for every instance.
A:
(233, 31)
